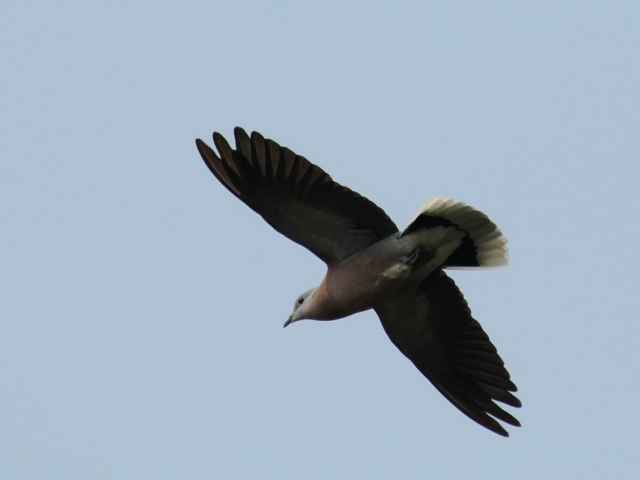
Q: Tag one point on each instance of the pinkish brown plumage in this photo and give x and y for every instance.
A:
(371, 265)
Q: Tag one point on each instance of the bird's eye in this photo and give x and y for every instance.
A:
(300, 300)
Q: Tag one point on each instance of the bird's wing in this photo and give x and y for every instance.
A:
(433, 327)
(296, 197)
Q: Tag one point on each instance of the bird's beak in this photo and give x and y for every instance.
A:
(289, 320)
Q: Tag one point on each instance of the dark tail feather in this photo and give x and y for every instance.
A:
(484, 245)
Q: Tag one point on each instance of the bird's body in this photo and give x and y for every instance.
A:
(364, 270)
(378, 273)
(371, 265)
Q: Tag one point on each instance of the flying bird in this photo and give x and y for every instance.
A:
(372, 265)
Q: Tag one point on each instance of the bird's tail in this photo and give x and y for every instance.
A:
(483, 246)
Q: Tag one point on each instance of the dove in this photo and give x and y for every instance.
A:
(372, 265)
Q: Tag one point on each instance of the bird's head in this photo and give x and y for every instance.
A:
(301, 307)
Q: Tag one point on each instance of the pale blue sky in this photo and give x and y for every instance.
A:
(141, 306)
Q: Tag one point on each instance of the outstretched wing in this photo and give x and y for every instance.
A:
(296, 197)
(433, 328)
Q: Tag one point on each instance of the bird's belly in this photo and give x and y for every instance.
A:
(365, 284)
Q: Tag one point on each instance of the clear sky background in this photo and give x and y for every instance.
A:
(141, 304)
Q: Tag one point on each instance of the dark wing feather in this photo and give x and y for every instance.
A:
(433, 328)
(296, 197)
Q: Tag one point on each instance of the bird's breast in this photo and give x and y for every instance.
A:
(367, 279)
